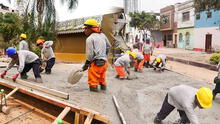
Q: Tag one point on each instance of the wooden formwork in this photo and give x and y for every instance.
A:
(53, 108)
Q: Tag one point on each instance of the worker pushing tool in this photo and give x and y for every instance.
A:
(139, 60)
(97, 48)
(25, 61)
(122, 64)
(159, 62)
(23, 44)
(47, 54)
(185, 99)
(217, 83)
(147, 52)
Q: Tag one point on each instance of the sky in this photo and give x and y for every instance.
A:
(98, 7)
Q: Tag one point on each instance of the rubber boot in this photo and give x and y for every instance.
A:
(157, 120)
(24, 76)
(103, 87)
(94, 89)
(39, 80)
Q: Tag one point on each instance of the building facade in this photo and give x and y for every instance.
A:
(168, 26)
(207, 30)
(131, 6)
(185, 24)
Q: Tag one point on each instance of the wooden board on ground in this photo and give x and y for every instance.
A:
(40, 88)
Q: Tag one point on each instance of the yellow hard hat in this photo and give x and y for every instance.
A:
(91, 23)
(133, 54)
(204, 97)
(23, 36)
(128, 52)
(158, 59)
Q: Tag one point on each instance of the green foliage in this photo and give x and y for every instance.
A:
(36, 50)
(215, 58)
(143, 20)
(201, 5)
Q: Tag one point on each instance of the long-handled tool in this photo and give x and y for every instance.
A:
(118, 110)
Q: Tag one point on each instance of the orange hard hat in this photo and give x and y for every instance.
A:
(39, 41)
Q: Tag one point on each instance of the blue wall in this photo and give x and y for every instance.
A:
(214, 21)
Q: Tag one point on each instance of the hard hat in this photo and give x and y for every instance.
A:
(204, 97)
(148, 39)
(128, 52)
(10, 51)
(133, 54)
(23, 36)
(39, 41)
(158, 59)
(91, 23)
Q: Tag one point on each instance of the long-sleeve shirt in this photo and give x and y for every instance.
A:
(139, 54)
(147, 49)
(163, 59)
(24, 57)
(124, 61)
(183, 98)
(218, 67)
(23, 45)
(47, 51)
(97, 46)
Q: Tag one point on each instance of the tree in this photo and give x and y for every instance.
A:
(202, 5)
(143, 20)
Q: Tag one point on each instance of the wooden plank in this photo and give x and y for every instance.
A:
(81, 119)
(40, 88)
(12, 92)
(38, 111)
(119, 110)
(83, 112)
(62, 115)
(89, 118)
(76, 119)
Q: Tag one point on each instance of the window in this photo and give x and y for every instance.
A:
(209, 14)
(197, 16)
(185, 16)
(180, 37)
(169, 37)
(164, 19)
(187, 38)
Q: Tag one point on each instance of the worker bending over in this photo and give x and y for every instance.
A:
(122, 64)
(159, 62)
(185, 99)
(217, 83)
(23, 45)
(25, 61)
(147, 52)
(139, 60)
(47, 54)
(97, 47)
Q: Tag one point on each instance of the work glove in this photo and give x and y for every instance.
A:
(86, 65)
(3, 74)
(15, 77)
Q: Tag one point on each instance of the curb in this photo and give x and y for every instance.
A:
(207, 66)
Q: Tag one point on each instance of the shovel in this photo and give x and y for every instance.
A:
(75, 76)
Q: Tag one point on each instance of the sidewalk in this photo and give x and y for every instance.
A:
(195, 58)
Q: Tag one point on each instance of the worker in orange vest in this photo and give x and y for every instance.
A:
(122, 64)
(97, 47)
(147, 52)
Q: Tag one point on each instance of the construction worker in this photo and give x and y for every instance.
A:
(23, 45)
(139, 60)
(159, 62)
(185, 99)
(47, 54)
(147, 52)
(217, 83)
(97, 47)
(122, 64)
(25, 60)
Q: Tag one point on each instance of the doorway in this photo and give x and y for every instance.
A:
(208, 43)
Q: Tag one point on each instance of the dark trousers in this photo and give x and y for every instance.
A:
(216, 90)
(36, 68)
(166, 109)
(50, 64)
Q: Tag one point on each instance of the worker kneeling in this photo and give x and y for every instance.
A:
(25, 60)
(159, 62)
(185, 99)
(47, 54)
(97, 47)
(139, 60)
(123, 63)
